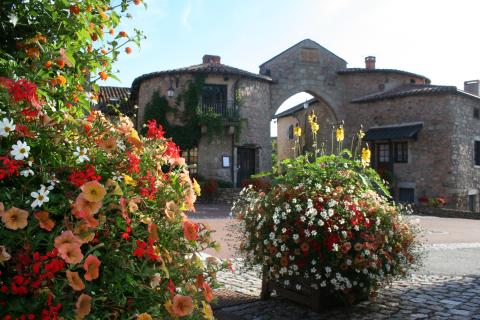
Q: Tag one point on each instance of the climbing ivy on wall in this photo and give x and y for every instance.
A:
(187, 135)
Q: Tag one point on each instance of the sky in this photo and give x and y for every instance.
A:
(435, 38)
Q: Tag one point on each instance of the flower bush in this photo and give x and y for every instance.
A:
(326, 224)
(92, 221)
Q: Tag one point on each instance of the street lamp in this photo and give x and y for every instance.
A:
(170, 91)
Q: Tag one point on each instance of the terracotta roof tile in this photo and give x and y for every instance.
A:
(364, 70)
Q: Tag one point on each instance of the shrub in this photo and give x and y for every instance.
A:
(326, 225)
(91, 215)
(210, 188)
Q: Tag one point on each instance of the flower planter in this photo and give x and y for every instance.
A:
(309, 297)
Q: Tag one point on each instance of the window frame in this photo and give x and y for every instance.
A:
(476, 153)
(405, 152)
(406, 188)
(381, 153)
(191, 159)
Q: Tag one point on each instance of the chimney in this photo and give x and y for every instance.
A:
(370, 63)
(208, 58)
(472, 86)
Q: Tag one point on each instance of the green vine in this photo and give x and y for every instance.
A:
(188, 135)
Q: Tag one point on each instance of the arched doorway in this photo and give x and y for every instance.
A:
(294, 111)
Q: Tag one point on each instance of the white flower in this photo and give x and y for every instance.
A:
(81, 154)
(295, 236)
(20, 150)
(6, 126)
(298, 287)
(41, 196)
(27, 172)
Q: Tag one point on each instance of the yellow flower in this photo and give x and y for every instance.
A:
(366, 156)
(93, 191)
(144, 316)
(361, 134)
(297, 131)
(196, 188)
(312, 120)
(340, 134)
(15, 218)
(129, 180)
(207, 311)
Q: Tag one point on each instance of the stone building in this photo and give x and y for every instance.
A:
(240, 98)
(424, 138)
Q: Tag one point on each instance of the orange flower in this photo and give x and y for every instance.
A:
(137, 2)
(144, 316)
(15, 218)
(83, 232)
(94, 36)
(33, 52)
(61, 80)
(71, 253)
(44, 221)
(103, 15)
(111, 31)
(93, 191)
(84, 306)
(89, 48)
(190, 230)
(75, 281)
(82, 207)
(67, 237)
(103, 51)
(91, 266)
(128, 50)
(153, 232)
(305, 247)
(60, 63)
(207, 292)
(108, 145)
(182, 305)
(103, 75)
(122, 34)
(79, 87)
(47, 64)
(90, 221)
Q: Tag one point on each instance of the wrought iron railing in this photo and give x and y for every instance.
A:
(226, 109)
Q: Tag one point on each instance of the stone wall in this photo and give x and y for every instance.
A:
(255, 117)
(445, 212)
(466, 132)
(223, 196)
(430, 169)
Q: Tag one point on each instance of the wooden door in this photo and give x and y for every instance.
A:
(245, 164)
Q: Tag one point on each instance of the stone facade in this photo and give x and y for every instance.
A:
(440, 155)
(250, 93)
(436, 159)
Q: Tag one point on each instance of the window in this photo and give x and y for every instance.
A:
(401, 152)
(290, 132)
(472, 201)
(383, 152)
(406, 195)
(191, 158)
(476, 113)
(477, 153)
(214, 94)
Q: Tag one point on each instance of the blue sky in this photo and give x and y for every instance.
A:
(438, 39)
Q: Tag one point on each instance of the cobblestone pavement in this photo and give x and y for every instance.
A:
(417, 297)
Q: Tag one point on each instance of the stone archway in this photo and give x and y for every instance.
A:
(305, 67)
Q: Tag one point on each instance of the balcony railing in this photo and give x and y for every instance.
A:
(228, 110)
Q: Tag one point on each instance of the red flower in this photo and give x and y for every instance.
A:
(172, 150)
(23, 90)
(330, 240)
(154, 131)
(79, 178)
(134, 162)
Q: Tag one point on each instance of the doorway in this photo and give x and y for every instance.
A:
(246, 164)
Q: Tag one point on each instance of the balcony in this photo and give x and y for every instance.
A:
(226, 110)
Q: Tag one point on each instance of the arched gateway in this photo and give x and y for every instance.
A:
(305, 67)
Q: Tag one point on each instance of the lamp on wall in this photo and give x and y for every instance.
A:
(305, 104)
(170, 91)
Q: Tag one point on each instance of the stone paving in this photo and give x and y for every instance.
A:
(417, 297)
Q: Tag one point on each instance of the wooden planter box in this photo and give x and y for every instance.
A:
(314, 299)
